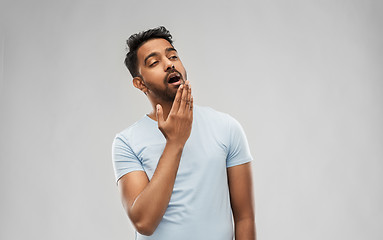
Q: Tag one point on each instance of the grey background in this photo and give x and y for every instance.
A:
(304, 78)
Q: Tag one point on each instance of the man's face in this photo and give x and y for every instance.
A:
(160, 68)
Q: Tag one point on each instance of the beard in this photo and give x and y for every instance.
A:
(169, 93)
(166, 94)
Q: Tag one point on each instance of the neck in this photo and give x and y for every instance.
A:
(166, 106)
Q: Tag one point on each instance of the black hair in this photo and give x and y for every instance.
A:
(136, 40)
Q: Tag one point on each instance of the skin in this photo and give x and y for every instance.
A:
(242, 201)
(154, 71)
(173, 110)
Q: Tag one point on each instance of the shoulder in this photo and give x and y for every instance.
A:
(208, 113)
(135, 130)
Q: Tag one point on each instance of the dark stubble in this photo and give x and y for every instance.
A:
(169, 93)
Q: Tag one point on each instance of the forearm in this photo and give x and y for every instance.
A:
(245, 229)
(150, 205)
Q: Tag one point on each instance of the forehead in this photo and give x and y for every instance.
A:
(154, 45)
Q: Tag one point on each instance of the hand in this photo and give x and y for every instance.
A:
(177, 127)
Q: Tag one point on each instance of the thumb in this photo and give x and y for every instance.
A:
(160, 115)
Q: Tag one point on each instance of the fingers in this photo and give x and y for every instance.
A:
(177, 99)
(160, 115)
(187, 97)
(191, 106)
(189, 102)
(188, 105)
(182, 101)
(184, 97)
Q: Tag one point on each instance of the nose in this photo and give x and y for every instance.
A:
(169, 65)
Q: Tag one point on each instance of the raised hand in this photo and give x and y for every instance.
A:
(177, 127)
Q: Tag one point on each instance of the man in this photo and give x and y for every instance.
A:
(183, 171)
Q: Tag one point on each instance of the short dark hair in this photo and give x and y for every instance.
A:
(136, 40)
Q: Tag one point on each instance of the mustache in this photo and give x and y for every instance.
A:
(173, 70)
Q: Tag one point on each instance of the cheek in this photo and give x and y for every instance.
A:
(149, 74)
(183, 71)
(179, 66)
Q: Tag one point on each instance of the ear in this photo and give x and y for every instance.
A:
(139, 83)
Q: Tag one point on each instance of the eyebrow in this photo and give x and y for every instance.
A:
(169, 49)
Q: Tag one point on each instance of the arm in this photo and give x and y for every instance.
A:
(242, 201)
(146, 201)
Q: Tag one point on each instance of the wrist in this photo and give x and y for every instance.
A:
(175, 144)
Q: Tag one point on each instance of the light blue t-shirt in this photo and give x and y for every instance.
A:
(199, 207)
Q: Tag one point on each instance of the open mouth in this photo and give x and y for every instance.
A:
(174, 78)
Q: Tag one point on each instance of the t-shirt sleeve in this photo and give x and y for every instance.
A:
(238, 151)
(124, 159)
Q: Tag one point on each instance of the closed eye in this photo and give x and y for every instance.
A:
(152, 64)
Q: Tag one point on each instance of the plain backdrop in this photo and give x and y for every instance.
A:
(304, 78)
